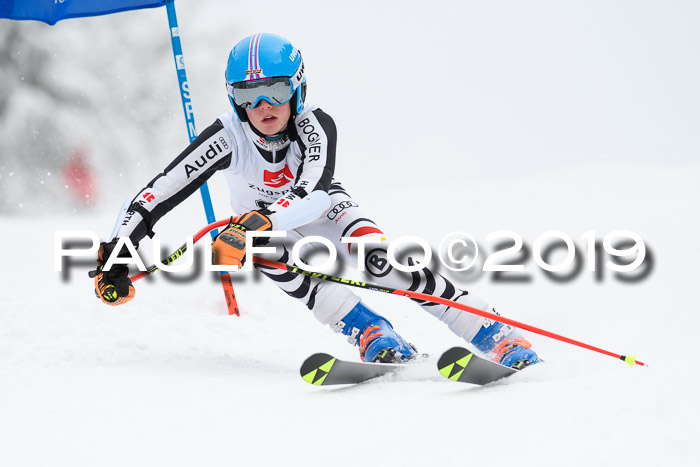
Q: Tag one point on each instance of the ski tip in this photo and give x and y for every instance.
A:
(452, 363)
(316, 368)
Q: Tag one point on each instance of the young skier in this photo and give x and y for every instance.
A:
(277, 153)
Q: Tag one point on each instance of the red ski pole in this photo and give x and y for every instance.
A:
(630, 360)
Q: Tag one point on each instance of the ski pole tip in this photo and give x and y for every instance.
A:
(631, 360)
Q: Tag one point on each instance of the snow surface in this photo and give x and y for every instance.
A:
(578, 116)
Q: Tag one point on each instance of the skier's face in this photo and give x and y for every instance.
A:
(269, 119)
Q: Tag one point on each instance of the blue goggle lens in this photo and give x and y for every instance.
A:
(248, 94)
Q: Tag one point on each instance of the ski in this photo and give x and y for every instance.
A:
(460, 364)
(321, 369)
(456, 364)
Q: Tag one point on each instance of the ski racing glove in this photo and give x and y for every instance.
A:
(229, 246)
(113, 287)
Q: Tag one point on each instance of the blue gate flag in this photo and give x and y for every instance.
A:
(52, 11)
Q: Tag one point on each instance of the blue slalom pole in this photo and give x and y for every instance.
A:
(192, 133)
(187, 102)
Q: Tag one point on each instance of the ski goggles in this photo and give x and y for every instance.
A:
(248, 94)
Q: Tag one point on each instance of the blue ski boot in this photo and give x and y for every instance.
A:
(505, 345)
(375, 336)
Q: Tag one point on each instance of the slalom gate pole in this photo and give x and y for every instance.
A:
(227, 284)
(630, 360)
